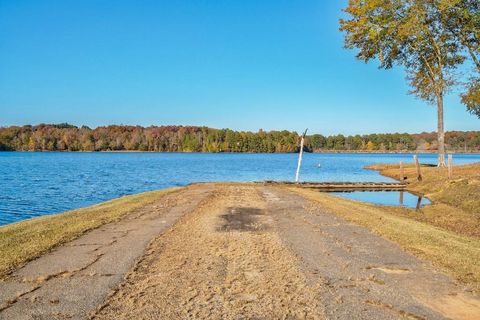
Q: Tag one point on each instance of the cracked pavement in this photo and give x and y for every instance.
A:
(73, 279)
(232, 251)
(360, 275)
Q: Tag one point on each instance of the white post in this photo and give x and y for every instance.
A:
(297, 174)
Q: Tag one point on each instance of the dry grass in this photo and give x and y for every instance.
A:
(26, 240)
(456, 201)
(456, 254)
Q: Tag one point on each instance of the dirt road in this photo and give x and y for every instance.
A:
(233, 252)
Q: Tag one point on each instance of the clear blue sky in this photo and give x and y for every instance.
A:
(246, 65)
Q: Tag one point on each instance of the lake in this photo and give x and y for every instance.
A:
(387, 198)
(39, 183)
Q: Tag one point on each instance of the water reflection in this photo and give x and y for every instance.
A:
(387, 198)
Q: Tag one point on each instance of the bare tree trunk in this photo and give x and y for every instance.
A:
(440, 132)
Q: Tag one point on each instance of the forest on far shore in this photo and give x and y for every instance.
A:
(66, 137)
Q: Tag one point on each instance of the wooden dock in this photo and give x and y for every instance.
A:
(345, 186)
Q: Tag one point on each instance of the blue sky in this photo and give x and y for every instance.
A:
(246, 65)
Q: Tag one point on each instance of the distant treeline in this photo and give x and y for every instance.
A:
(66, 137)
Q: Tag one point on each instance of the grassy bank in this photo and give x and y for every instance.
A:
(456, 201)
(26, 240)
(446, 233)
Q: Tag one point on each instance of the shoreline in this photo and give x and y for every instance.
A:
(39, 235)
(115, 243)
(87, 218)
(176, 241)
(473, 152)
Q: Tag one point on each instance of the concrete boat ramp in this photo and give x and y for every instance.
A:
(232, 251)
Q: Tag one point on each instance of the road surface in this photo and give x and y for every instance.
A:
(232, 251)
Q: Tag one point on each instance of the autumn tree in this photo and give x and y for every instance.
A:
(408, 33)
(462, 19)
(370, 146)
(193, 139)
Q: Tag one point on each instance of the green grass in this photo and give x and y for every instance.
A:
(26, 240)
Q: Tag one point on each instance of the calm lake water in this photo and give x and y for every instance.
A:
(35, 184)
(387, 198)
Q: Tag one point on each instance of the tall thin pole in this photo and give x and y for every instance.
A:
(300, 155)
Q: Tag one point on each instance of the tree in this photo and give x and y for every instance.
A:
(371, 146)
(471, 98)
(462, 19)
(316, 141)
(407, 33)
(177, 138)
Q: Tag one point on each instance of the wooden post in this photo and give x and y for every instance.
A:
(402, 173)
(417, 164)
(401, 198)
(419, 202)
(450, 165)
(297, 174)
